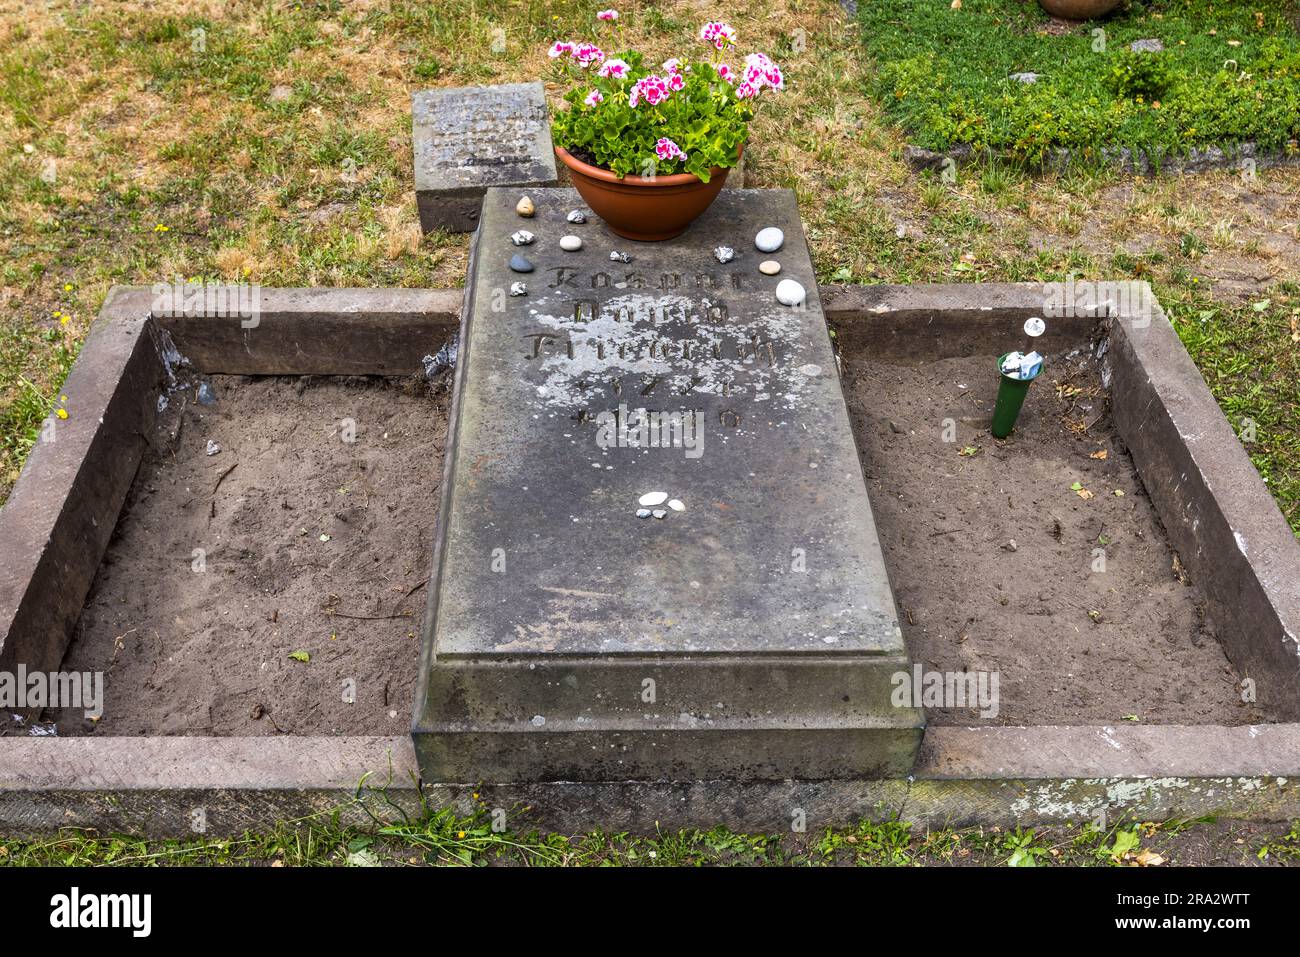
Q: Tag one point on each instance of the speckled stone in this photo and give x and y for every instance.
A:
(467, 139)
(704, 592)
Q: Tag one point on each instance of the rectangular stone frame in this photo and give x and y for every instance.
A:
(978, 775)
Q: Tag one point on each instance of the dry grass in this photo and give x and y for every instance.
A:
(239, 152)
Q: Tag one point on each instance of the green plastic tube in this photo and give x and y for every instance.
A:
(1011, 396)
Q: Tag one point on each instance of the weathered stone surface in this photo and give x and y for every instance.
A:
(60, 515)
(1221, 519)
(751, 635)
(467, 139)
(964, 776)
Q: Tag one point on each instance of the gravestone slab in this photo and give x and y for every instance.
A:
(746, 629)
(468, 139)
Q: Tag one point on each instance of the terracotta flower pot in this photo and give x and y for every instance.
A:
(648, 210)
(1078, 9)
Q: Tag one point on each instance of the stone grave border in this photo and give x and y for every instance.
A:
(1218, 514)
(1120, 158)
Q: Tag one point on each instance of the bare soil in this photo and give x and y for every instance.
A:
(289, 541)
(991, 552)
(292, 540)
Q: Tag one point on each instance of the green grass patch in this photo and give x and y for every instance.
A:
(1229, 73)
(1249, 356)
(23, 350)
(440, 837)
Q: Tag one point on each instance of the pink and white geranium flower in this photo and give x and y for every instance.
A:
(721, 35)
(607, 15)
(676, 82)
(588, 53)
(560, 49)
(666, 149)
(672, 66)
(614, 68)
(760, 72)
(593, 98)
(726, 73)
(653, 89)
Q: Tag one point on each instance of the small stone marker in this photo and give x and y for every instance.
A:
(654, 535)
(470, 138)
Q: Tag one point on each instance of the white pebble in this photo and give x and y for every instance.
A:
(676, 505)
(659, 513)
(651, 499)
(769, 267)
(769, 240)
(570, 243)
(790, 293)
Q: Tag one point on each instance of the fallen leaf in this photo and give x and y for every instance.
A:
(300, 656)
(1148, 858)
(1100, 454)
(1125, 841)
(1084, 494)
